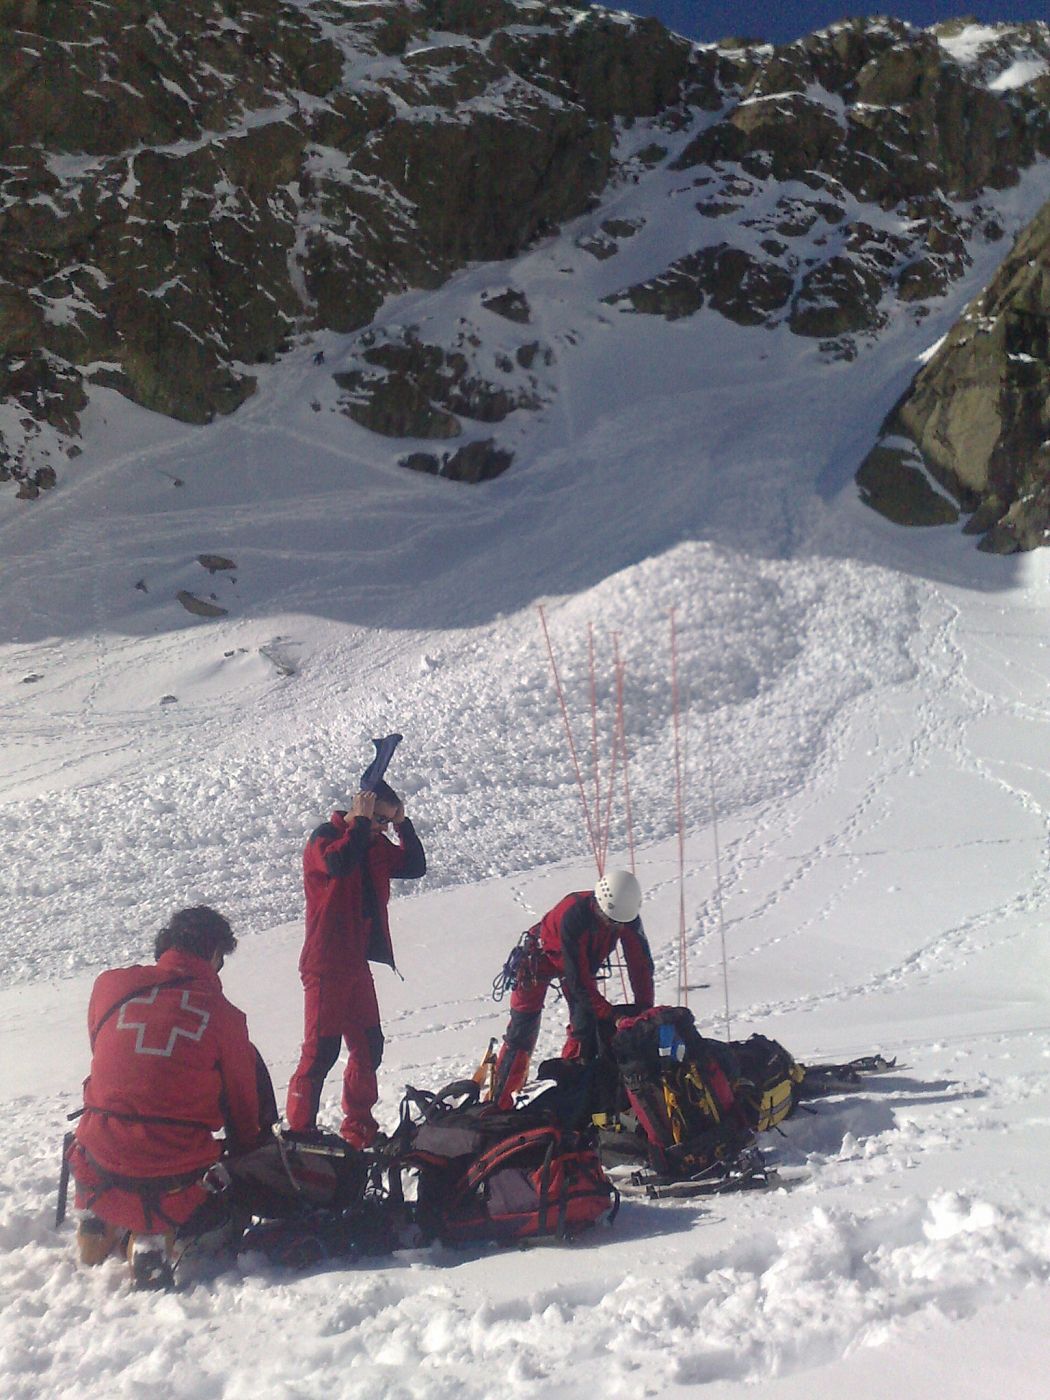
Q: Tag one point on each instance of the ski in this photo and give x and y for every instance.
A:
(649, 1186)
(659, 1188)
(317, 1143)
(875, 1064)
(747, 1171)
(820, 1080)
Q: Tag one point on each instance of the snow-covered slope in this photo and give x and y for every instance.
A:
(864, 711)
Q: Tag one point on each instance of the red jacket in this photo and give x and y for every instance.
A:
(576, 942)
(347, 869)
(178, 1052)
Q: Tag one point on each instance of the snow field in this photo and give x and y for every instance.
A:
(868, 708)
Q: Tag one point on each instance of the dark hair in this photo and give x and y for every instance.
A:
(385, 793)
(201, 931)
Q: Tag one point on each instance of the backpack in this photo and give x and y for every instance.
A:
(769, 1081)
(679, 1086)
(290, 1176)
(320, 1235)
(485, 1173)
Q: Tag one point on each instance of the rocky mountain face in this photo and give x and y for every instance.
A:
(977, 418)
(187, 190)
(185, 186)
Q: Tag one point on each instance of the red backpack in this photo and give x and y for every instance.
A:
(484, 1173)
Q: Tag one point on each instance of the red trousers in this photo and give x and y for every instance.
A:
(339, 1010)
(526, 1009)
(141, 1204)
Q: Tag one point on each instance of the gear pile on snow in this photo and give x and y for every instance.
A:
(688, 1110)
(679, 1088)
(456, 1171)
(682, 1111)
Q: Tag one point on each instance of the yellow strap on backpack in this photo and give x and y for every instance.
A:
(696, 1096)
(775, 1105)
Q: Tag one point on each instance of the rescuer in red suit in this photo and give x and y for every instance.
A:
(569, 946)
(348, 865)
(171, 1065)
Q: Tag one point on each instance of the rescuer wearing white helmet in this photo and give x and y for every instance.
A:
(569, 945)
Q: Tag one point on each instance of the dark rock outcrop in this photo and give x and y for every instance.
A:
(404, 387)
(978, 414)
(193, 185)
(512, 304)
(216, 563)
(473, 462)
(869, 111)
(611, 65)
(893, 481)
(744, 288)
(200, 607)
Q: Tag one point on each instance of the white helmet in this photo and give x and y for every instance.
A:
(619, 896)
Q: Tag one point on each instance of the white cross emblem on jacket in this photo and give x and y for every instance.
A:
(125, 1022)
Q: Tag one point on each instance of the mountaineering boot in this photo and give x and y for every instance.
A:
(96, 1240)
(312, 1137)
(150, 1260)
(359, 1132)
